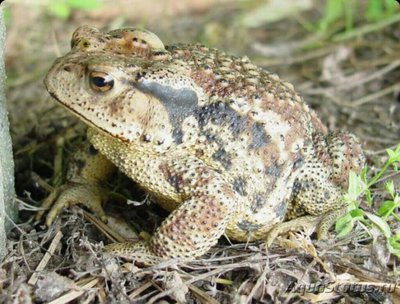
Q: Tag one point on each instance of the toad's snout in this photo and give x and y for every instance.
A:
(62, 75)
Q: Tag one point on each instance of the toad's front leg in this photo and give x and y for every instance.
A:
(87, 171)
(208, 202)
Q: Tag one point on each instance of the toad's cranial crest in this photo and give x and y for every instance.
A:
(224, 145)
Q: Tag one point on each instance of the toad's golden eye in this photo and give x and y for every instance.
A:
(101, 82)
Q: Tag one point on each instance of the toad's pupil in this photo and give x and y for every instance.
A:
(102, 82)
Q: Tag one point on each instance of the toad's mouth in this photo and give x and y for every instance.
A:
(83, 118)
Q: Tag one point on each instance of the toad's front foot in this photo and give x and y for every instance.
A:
(90, 195)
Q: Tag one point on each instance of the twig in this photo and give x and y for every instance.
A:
(346, 85)
(139, 290)
(72, 295)
(110, 233)
(202, 296)
(366, 29)
(260, 280)
(374, 96)
(46, 258)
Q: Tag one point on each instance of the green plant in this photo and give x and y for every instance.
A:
(63, 8)
(360, 186)
(375, 11)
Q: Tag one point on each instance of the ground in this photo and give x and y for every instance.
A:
(349, 77)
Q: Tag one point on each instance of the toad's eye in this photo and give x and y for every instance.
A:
(101, 82)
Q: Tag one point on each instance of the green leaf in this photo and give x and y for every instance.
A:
(394, 155)
(357, 213)
(389, 186)
(391, 7)
(84, 4)
(60, 9)
(344, 225)
(334, 10)
(394, 244)
(356, 187)
(380, 223)
(349, 14)
(368, 196)
(364, 173)
(374, 10)
(386, 209)
(390, 153)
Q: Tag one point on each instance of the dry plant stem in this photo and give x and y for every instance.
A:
(46, 258)
(110, 233)
(139, 290)
(360, 273)
(72, 295)
(188, 282)
(306, 56)
(58, 161)
(260, 281)
(318, 260)
(374, 96)
(375, 75)
(101, 292)
(41, 182)
(202, 296)
(368, 28)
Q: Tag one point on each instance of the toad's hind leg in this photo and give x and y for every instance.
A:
(320, 186)
(208, 202)
(323, 178)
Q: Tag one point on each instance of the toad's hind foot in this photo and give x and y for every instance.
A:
(139, 252)
(321, 224)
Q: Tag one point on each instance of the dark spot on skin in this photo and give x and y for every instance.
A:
(239, 185)
(257, 203)
(173, 178)
(80, 163)
(179, 103)
(298, 163)
(222, 157)
(210, 137)
(273, 170)
(93, 151)
(221, 114)
(248, 226)
(175, 181)
(280, 209)
(327, 195)
(259, 137)
(177, 134)
(146, 138)
(159, 53)
(199, 153)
